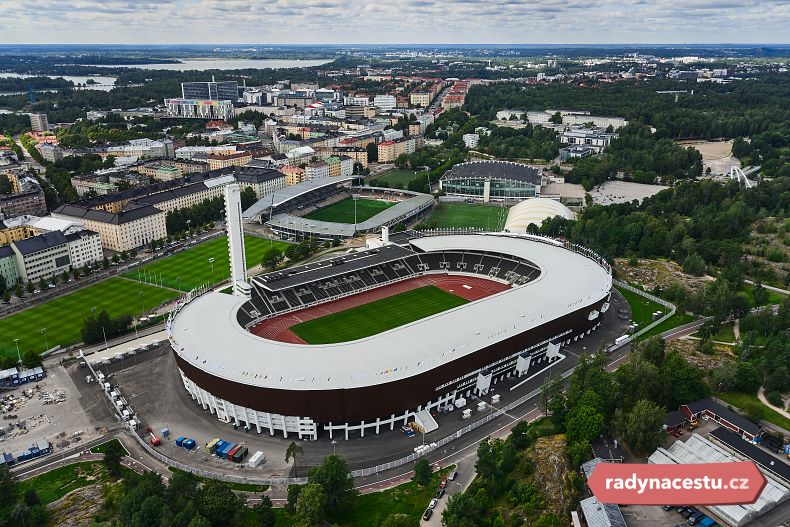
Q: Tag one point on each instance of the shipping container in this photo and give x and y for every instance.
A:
(211, 446)
(219, 446)
(189, 444)
(232, 452)
(256, 459)
(227, 448)
(180, 440)
(240, 454)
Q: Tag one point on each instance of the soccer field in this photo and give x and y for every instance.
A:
(64, 316)
(375, 317)
(393, 177)
(343, 211)
(466, 215)
(191, 267)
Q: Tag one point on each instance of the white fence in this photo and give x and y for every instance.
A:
(661, 301)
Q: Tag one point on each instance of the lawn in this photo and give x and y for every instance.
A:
(466, 215)
(375, 317)
(102, 448)
(53, 485)
(752, 406)
(191, 268)
(393, 177)
(642, 309)
(63, 317)
(343, 211)
(773, 296)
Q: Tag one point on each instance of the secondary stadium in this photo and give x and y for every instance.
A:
(361, 343)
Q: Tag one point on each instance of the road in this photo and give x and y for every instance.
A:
(28, 159)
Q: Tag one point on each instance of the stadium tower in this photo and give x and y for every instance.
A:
(238, 258)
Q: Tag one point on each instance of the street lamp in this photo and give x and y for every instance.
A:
(211, 261)
(334, 447)
(142, 308)
(106, 346)
(18, 355)
(46, 343)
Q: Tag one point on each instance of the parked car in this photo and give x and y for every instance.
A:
(695, 518)
(439, 493)
(453, 475)
(668, 507)
(427, 514)
(433, 503)
(443, 484)
(689, 512)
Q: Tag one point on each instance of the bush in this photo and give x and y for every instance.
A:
(775, 399)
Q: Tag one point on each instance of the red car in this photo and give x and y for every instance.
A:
(443, 484)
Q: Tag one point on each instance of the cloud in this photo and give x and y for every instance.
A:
(399, 21)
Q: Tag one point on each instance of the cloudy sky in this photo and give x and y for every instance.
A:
(394, 21)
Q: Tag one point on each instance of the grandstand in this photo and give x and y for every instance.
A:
(523, 298)
(288, 212)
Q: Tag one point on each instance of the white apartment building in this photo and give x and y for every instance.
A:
(384, 102)
(317, 170)
(199, 109)
(356, 100)
(121, 231)
(188, 152)
(84, 248)
(471, 140)
(42, 256)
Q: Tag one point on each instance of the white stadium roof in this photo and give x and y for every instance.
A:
(206, 333)
(534, 211)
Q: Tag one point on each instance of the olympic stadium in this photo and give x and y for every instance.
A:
(362, 343)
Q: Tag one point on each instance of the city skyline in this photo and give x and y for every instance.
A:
(356, 22)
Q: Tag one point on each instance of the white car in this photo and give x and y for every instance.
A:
(433, 503)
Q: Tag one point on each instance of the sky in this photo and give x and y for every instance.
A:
(393, 22)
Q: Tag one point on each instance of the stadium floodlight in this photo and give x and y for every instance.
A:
(18, 355)
(211, 261)
(46, 343)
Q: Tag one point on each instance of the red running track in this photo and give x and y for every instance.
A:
(467, 287)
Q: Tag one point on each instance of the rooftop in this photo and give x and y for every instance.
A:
(494, 170)
(725, 413)
(40, 243)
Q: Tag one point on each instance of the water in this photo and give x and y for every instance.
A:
(104, 83)
(221, 64)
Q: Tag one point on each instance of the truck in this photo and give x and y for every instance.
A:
(152, 436)
(240, 454)
(256, 459)
(189, 444)
(231, 452)
(180, 440)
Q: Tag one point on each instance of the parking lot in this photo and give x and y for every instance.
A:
(53, 409)
(650, 516)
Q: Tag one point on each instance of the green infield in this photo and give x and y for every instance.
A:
(375, 317)
(397, 177)
(191, 268)
(343, 211)
(467, 215)
(63, 317)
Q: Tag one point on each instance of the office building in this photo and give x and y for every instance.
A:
(8, 265)
(122, 231)
(39, 122)
(199, 109)
(384, 102)
(42, 256)
(390, 150)
(211, 91)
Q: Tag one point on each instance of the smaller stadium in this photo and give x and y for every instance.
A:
(334, 209)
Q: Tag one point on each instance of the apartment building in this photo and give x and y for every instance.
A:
(293, 175)
(129, 229)
(420, 98)
(29, 201)
(317, 170)
(39, 122)
(262, 180)
(8, 265)
(237, 159)
(189, 152)
(140, 148)
(390, 150)
(340, 166)
(356, 153)
(42, 256)
(199, 109)
(384, 102)
(212, 91)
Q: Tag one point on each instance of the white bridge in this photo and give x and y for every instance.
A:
(739, 175)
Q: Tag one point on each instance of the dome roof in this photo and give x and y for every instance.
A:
(535, 210)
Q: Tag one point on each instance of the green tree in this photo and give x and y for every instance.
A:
(6, 295)
(583, 424)
(373, 152)
(293, 496)
(272, 257)
(116, 258)
(335, 479)
(311, 506)
(199, 521)
(759, 294)
(30, 287)
(292, 451)
(248, 198)
(694, 264)
(643, 427)
(112, 457)
(106, 263)
(42, 284)
(422, 472)
(462, 510)
(264, 512)
(219, 504)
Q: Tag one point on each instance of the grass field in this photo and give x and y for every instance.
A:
(343, 211)
(465, 215)
(375, 317)
(752, 406)
(191, 268)
(64, 316)
(393, 177)
(102, 448)
(642, 313)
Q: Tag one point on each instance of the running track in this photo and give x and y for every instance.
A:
(467, 287)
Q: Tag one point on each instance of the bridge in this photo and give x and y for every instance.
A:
(740, 175)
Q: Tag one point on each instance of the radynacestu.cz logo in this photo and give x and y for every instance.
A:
(697, 484)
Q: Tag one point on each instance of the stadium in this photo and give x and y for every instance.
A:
(332, 209)
(361, 343)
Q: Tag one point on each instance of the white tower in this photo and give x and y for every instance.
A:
(238, 257)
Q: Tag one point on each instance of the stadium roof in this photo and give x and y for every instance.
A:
(385, 217)
(281, 197)
(206, 333)
(494, 170)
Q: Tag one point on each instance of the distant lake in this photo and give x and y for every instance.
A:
(221, 64)
(104, 83)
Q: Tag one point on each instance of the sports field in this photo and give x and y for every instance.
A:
(393, 177)
(191, 267)
(343, 211)
(375, 317)
(490, 217)
(64, 316)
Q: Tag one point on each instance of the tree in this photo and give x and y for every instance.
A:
(106, 263)
(42, 284)
(552, 399)
(335, 479)
(248, 198)
(462, 510)
(422, 472)
(3, 284)
(373, 152)
(556, 118)
(694, 264)
(6, 295)
(293, 496)
(116, 258)
(310, 506)
(30, 287)
(272, 257)
(643, 426)
(265, 513)
(292, 451)
(64, 276)
(112, 457)
(759, 294)
(584, 424)
(219, 504)
(199, 521)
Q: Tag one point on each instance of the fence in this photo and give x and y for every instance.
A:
(657, 300)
